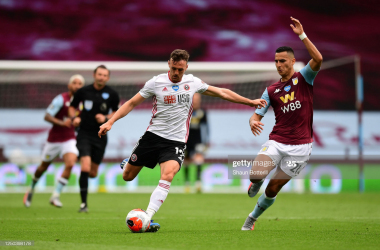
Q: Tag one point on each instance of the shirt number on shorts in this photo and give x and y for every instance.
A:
(296, 167)
(181, 153)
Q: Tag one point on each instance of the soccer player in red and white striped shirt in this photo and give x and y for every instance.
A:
(164, 141)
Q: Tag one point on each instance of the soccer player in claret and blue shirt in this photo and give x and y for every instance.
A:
(290, 143)
(61, 141)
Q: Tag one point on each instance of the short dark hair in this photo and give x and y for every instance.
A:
(285, 48)
(102, 67)
(179, 54)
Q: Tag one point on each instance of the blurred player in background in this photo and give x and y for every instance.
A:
(197, 142)
(61, 141)
(290, 143)
(165, 140)
(98, 99)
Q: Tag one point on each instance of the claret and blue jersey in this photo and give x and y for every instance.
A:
(292, 102)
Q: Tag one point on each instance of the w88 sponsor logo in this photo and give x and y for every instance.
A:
(291, 106)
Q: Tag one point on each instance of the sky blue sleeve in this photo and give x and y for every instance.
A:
(55, 105)
(262, 111)
(308, 74)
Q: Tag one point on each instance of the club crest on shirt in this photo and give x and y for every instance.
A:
(295, 81)
(134, 157)
(103, 107)
(287, 88)
(175, 87)
(186, 87)
(105, 95)
(87, 105)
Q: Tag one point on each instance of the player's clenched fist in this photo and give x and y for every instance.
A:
(104, 129)
(76, 122)
(258, 103)
(256, 127)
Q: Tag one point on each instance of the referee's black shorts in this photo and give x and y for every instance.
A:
(89, 144)
(152, 149)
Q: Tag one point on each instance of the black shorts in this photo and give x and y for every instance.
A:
(152, 149)
(91, 145)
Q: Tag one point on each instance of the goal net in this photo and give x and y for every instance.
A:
(32, 85)
(27, 88)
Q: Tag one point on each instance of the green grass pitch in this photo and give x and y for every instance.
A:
(195, 221)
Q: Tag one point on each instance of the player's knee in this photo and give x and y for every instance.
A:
(42, 168)
(272, 190)
(93, 174)
(167, 176)
(127, 176)
(69, 165)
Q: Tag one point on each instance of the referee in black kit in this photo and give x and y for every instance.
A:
(98, 101)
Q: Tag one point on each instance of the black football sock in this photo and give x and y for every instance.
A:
(83, 184)
(34, 182)
(199, 172)
(186, 169)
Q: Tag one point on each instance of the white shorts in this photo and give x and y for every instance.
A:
(53, 149)
(291, 158)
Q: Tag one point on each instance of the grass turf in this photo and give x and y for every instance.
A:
(196, 221)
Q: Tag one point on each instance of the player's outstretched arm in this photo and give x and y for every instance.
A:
(316, 61)
(256, 124)
(231, 96)
(120, 113)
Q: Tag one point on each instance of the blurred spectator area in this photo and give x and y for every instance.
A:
(211, 30)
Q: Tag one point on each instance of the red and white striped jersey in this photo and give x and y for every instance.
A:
(172, 105)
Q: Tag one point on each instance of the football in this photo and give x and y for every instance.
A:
(138, 221)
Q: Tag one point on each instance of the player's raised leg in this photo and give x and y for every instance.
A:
(262, 166)
(69, 160)
(39, 171)
(267, 199)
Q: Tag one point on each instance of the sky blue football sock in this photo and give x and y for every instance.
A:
(262, 204)
(61, 183)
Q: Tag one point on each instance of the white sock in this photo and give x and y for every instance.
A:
(58, 189)
(158, 197)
